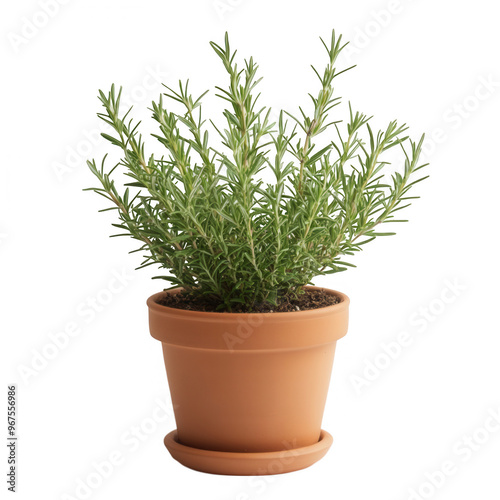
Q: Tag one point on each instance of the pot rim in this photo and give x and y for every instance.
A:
(230, 316)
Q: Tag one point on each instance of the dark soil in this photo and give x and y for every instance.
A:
(309, 299)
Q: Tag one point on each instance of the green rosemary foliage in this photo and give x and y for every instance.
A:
(207, 217)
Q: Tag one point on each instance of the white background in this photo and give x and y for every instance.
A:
(395, 421)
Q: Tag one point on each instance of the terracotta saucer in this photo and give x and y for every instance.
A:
(247, 464)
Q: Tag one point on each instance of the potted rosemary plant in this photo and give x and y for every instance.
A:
(248, 343)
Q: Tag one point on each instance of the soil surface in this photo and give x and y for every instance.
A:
(309, 299)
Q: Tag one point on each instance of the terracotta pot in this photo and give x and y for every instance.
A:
(248, 390)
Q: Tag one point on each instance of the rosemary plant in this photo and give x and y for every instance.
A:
(206, 216)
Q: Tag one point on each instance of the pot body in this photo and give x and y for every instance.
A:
(252, 382)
